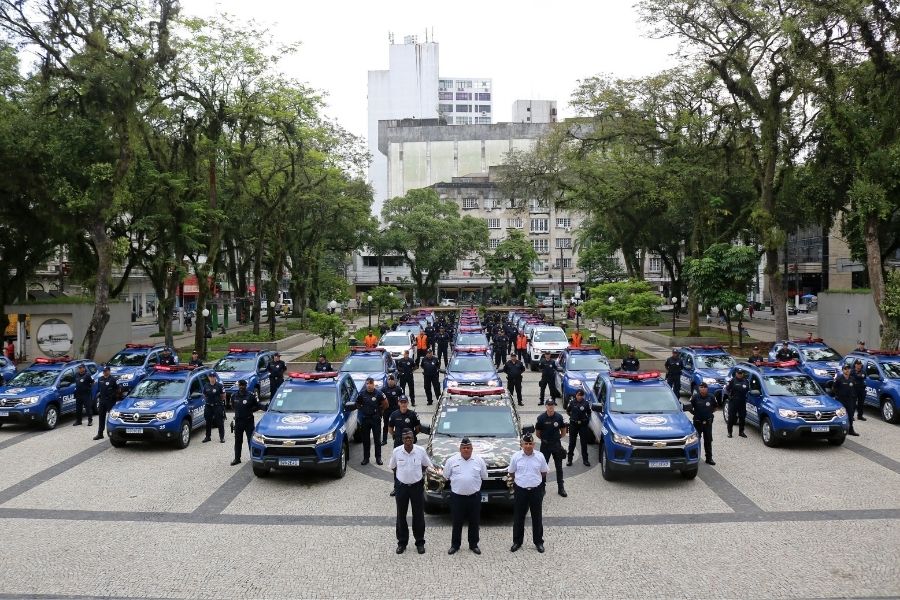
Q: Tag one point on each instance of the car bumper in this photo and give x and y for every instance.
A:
(792, 431)
(298, 457)
(620, 459)
(20, 415)
(497, 495)
(142, 433)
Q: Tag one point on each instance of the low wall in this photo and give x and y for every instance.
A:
(667, 341)
(278, 345)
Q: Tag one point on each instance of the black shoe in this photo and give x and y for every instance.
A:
(853, 433)
(569, 463)
(453, 550)
(99, 436)
(221, 440)
(364, 462)
(586, 462)
(90, 422)
(236, 461)
(541, 403)
(861, 418)
(710, 461)
(384, 443)
(393, 493)
(562, 492)
(401, 549)
(420, 549)
(515, 547)
(742, 434)
(520, 404)
(430, 403)
(413, 404)
(378, 461)
(729, 434)
(540, 548)
(76, 423)
(476, 550)
(206, 440)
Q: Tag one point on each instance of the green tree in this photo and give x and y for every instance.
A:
(386, 297)
(514, 257)
(635, 303)
(326, 326)
(890, 306)
(430, 235)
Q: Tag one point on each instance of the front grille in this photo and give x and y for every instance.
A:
(650, 443)
(9, 401)
(494, 485)
(652, 453)
(300, 451)
(290, 442)
(128, 418)
(810, 415)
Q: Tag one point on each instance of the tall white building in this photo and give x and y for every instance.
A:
(465, 100)
(534, 111)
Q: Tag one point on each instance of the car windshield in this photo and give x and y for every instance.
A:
(552, 335)
(471, 363)
(472, 339)
(159, 388)
(891, 369)
(127, 359)
(476, 421)
(821, 354)
(587, 362)
(229, 363)
(34, 379)
(642, 399)
(792, 385)
(305, 400)
(364, 363)
(395, 340)
(714, 361)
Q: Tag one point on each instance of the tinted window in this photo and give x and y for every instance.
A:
(820, 354)
(642, 400)
(471, 363)
(196, 386)
(891, 369)
(127, 359)
(364, 363)
(716, 361)
(234, 364)
(871, 369)
(68, 378)
(481, 421)
(588, 362)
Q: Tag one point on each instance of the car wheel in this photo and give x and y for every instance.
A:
(117, 443)
(837, 440)
(51, 417)
(605, 468)
(260, 471)
(768, 433)
(725, 416)
(689, 473)
(340, 469)
(184, 435)
(888, 413)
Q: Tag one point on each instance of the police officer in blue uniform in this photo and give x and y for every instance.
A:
(674, 366)
(631, 362)
(84, 383)
(276, 371)
(514, 369)
(549, 428)
(845, 392)
(405, 368)
(214, 407)
(107, 396)
(430, 333)
(195, 360)
(322, 365)
(245, 404)
(859, 379)
(579, 417)
(431, 369)
(499, 344)
(703, 407)
(166, 358)
(371, 403)
(737, 390)
(442, 339)
(756, 357)
(392, 392)
(548, 377)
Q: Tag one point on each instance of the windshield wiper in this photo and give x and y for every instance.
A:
(651, 412)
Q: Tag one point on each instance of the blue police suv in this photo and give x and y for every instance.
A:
(787, 404)
(578, 366)
(248, 364)
(309, 425)
(166, 406)
(882, 370)
(7, 369)
(814, 357)
(43, 392)
(470, 366)
(363, 363)
(705, 364)
(134, 362)
(641, 426)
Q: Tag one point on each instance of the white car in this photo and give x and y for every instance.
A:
(448, 302)
(546, 339)
(396, 342)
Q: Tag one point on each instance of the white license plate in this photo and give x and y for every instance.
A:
(820, 429)
(288, 462)
(659, 464)
(138, 430)
(484, 498)
(4, 413)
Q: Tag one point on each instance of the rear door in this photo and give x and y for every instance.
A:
(66, 388)
(262, 374)
(195, 401)
(754, 398)
(874, 381)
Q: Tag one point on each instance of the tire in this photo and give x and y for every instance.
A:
(888, 413)
(51, 417)
(768, 433)
(605, 469)
(260, 471)
(184, 435)
(689, 473)
(725, 411)
(837, 441)
(340, 469)
(116, 443)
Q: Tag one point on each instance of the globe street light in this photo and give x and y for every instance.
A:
(740, 309)
(577, 311)
(332, 306)
(674, 300)
(369, 298)
(612, 322)
(553, 305)
(205, 313)
(272, 319)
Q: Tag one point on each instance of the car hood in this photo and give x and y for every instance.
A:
(551, 345)
(145, 405)
(823, 402)
(661, 426)
(471, 376)
(396, 347)
(118, 371)
(496, 452)
(299, 425)
(10, 391)
(585, 375)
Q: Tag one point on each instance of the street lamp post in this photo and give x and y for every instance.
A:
(740, 309)
(612, 323)
(272, 319)
(369, 298)
(391, 302)
(674, 300)
(332, 306)
(205, 313)
(577, 310)
(553, 305)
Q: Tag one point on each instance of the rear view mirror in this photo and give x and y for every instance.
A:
(755, 393)
(426, 429)
(349, 406)
(196, 395)
(597, 407)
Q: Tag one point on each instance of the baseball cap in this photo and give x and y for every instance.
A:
(527, 438)
(242, 383)
(550, 402)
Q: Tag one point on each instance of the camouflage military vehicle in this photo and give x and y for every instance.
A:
(488, 417)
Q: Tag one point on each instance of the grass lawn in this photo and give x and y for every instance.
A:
(221, 342)
(342, 349)
(719, 334)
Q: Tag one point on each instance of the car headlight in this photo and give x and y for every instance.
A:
(324, 439)
(709, 380)
(785, 413)
(821, 372)
(622, 440)
(841, 412)
(125, 377)
(165, 415)
(493, 382)
(259, 438)
(29, 400)
(114, 414)
(691, 439)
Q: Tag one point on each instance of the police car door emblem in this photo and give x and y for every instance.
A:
(296, 419)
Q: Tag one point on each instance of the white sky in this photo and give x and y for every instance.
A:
(531, 49)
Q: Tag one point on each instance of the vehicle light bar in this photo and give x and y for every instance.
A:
(584, 349)
(809, 341)
(174, 368)
(139, 345)
(635, 375)
(365, 349)
(41, 360)
(476, 391)
(777, 364)
(242, 350)
(471, 348)
(883, 352)
(313, 376)
(711, 347)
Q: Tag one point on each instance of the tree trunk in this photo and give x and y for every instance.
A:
(876, 277)
(257, 284)
(100, 317)
(779, 298)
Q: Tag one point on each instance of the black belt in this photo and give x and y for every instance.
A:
(529, 489)
(419, 482)
(478, 493)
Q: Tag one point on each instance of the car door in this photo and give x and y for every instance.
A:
(874, 381)
(349, 395)
(754, 398)
(560, 373)
(152, 359)
(65, 386)
(262, 375)
(195, 402)
(687, 373)
(596, 422)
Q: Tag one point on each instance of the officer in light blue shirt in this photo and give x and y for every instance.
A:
(529, 471)
(465, 472)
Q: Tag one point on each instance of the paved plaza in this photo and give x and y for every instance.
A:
(81, 519)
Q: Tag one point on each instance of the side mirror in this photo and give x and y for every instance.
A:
(874, 377)
(196, 395)
(349, 406)
(597, 407)
(426, 429)
(755, 393)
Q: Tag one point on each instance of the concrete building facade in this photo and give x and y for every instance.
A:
(534, 111)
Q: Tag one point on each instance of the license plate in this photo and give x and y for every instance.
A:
(660, 464)
(137, 430)
(820, 429)
(288, 462)
(484, 498)
(4, 413)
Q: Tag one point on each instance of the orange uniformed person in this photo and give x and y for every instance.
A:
(370, 340)
(522, 347)
(576, 339)
(421, 345)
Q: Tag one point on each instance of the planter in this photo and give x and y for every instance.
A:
(279, 345)
(667, 341)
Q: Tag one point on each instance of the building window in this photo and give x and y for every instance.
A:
(515, 223)
(483, 96)
(494, 242)
(484, 84)
(463, 95)
(491, 204)
(493, 223)
(461, 108)
(563, 243)
(485, 108)
(538, 206)
(445, 84)
(463, 121)
(540, 226)
(386, 261)
(563, 222)
(655, 265)
(513, 203)
(539, 266)
(463, 84)
(483, 120)
(566, 263)
(541, 246)
(470, 203)
(445, 95)
(445, 108)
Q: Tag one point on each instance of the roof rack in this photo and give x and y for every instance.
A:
(313, 376)
(174, 368)
(497, 391)
(43, 360)
(634, 375)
